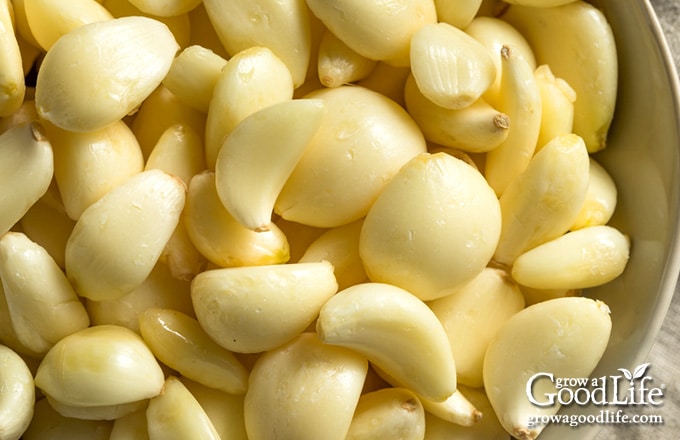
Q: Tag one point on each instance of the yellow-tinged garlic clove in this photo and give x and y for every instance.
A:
(451, 68)
(587, 257)
(45, 308)
(376, 29)
(48, 424)
(98, 366)
(165, 8)
(179, 342)
(338, 64)
(222, 239)
(281, 25)
(601, 198)
(26, 170)
(175, 414)
(394, 330)
(118, 240)
(471, 316)
(98, 73)
(260, 154)
(557, 105)
(12, 84)
(565, 337)
(304, 390)
(476, 128)
(252, 79)
(363, 141)
(434, 227)
(543, 201)
(47, 28)
(88, 165)
(455, 409)
(18, 394)
(258, 308)
(224, 410)
(131, 426)
(99, 412)
(389, 413)
(193, 75)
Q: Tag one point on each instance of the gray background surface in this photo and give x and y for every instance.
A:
(665, 354)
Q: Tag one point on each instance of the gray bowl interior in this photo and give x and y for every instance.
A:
(643, 158)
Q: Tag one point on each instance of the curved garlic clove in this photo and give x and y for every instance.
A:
(26, 170)
(565, 337)
(601, 198)
(476, 128)
(41, 14)
(176, 414)
(455, 409)
(587, 257)
(18, 394)
(88, 165)
(557, 106)
(451, 68)
(193, 76)
(179, 151)
(224, 410)
(375, 29)
(260, 154)
(43, 309)
(520, 99)
(222, 239)
(258, 308)
(434, 227)
(542, 202)
(98, 73)
(388, 413)
(103, 412)
(179, 342)
(363, 141)
(395, 331)
(47, 424)
(338, 64)
(98, 366)
(471, 316)
(281, 25)
(304, 390)
(118, 240)
(252, 79)
(12, 81)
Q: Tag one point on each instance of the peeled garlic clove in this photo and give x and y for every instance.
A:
(435, 226)
(26, 170)
(601, 198)
(387, 80)
(18, 394)
(394, 330)
(224, 410)
(375, 29)
(584, 258)
(304, 390)
(44, 308)
(176, 414)
(47, 423)
(362, 142)
(451, 68)
(494, 33)
(282, 26)
(340, 247)
(472, 315)
(12, 81)
(71, 15)
(222, 239)
(193, 75)
(117, 241)
(131, 426)
(257, 158)
(388, 413)
(100, 365)
(455, 409)
(542, 203)
(254, 309)
(252, 79)
(100, 72)
(458, 13)
(338, 64)
(179, 342)
(103, 412)
(165, 8)
(476, 128)
(565, 337)
(88, 165)
(521, 100)
(557, 105)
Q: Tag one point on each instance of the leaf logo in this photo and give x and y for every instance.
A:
(637, 373)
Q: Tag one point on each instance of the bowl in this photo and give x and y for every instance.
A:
(643, 158)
